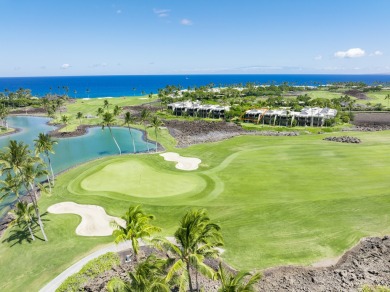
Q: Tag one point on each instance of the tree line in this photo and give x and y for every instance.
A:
(20, 171)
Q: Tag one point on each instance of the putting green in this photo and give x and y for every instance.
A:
(138, 179)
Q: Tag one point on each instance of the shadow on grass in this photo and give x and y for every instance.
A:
(20, 234)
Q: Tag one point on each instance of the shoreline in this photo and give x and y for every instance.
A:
(14, 131)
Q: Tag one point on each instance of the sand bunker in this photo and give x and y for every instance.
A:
(94, 219)
(183, 163)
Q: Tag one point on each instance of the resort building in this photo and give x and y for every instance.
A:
(308, 116)
(195, 109)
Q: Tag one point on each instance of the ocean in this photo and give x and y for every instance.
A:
(116, 86)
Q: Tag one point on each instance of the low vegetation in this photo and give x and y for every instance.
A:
(90, 271)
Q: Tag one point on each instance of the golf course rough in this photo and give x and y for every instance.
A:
(279, 200)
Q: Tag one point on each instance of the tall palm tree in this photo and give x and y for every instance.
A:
(100, 112)
(44, 144)
(137, 227)
(197, 238)
(129, 120)
(79, 116)
(4, 111)
(117, 110)
(65, 120)
(24, 216)
(11, 185)
(238, 282)
(107, 120)
(156, 123)
(106, 104)
(144, 118)
(388, 100)
(17, 159)
(30, 173)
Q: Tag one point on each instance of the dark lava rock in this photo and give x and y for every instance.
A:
(343, 139)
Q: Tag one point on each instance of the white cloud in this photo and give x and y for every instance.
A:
(65, 66)
(186, 21)
(318, 58)
(161, 12)
(351, 53)
(376, 53)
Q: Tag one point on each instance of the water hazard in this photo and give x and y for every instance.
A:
(70, 152)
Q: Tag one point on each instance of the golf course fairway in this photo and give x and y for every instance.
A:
(279, 200)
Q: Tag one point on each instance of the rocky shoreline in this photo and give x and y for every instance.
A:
(368, 263)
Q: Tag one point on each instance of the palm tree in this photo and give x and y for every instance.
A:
(117, 110)
(117, 285)
(156, 123)
(144, 118)
(30, 173)
(17, 159)
(100, 112)
(106, 104)
(4, 111)
(149, 276)
(11, 185)
(137, 227)
(24, 216)
(129, 120)
(236, 283)
(79, 116)
(44, 144)
(65, 120)
(197, 238)
(388, 99)
(107, 120)
(87, 91)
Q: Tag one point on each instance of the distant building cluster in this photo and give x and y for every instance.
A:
(195, 109)
(308, 116)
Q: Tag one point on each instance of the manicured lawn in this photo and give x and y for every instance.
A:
(279, 200)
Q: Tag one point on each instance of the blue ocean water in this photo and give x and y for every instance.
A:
(115, 86)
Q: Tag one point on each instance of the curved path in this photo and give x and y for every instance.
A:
(57, 281)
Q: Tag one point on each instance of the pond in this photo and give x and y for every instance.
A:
(70, 152)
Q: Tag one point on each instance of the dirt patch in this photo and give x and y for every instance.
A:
(357, 94)
(368, 263)
(29, 111)
(376, 120)
(194, 132)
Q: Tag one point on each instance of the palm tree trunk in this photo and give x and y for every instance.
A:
(35, 203)
(51, 169)
(189, 277)
(116, 143)
(132, 138)
(48, 180)
(30, 230)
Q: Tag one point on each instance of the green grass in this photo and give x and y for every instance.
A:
(90, 106)
(279, 200)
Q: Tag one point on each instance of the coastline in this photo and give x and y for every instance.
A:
(14, 131)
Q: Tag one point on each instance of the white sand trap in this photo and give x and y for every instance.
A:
(183, 163)
(94, 219)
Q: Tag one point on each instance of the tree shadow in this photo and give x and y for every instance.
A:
(21, 234)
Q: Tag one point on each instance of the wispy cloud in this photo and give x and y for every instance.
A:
(318, 58)
(65, 66)
(351, 53)
(376, 53)
(161, 12)
(186, 21)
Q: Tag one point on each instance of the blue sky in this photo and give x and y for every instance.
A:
(125, 37)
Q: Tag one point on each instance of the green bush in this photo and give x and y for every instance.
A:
(91, 270)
